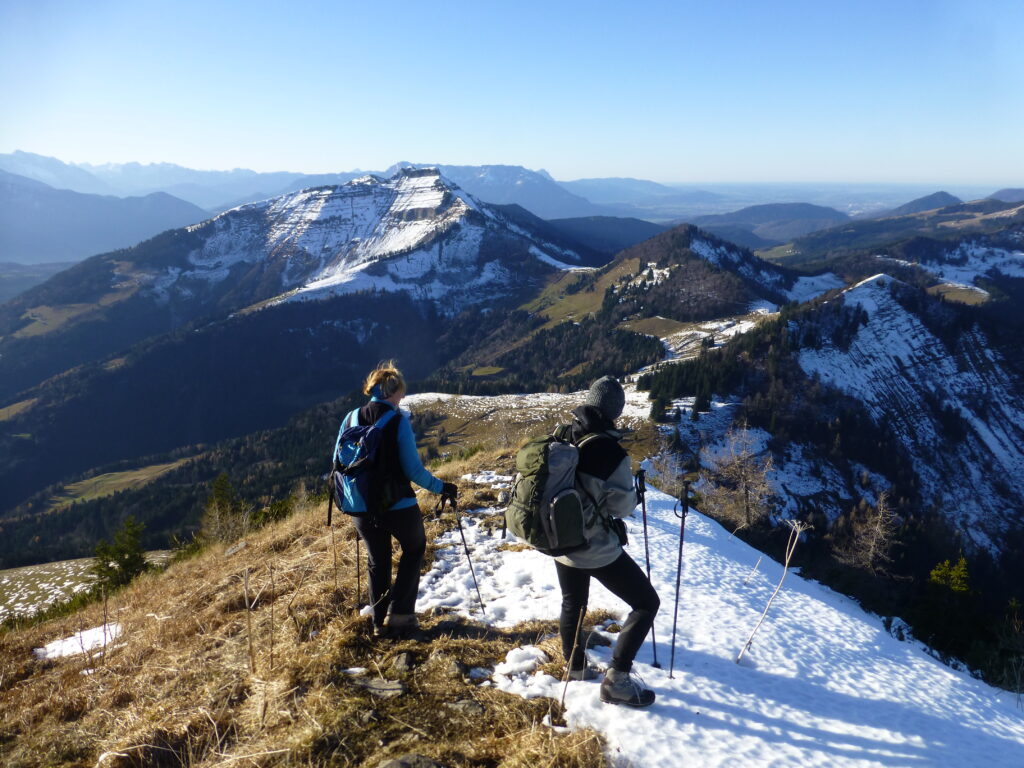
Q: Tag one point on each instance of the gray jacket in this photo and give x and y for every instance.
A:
(604, 476)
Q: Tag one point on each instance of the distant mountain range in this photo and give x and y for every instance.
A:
(41, 224)
(1015, 195)
(816, 249)
(607, 234)
(537, 191)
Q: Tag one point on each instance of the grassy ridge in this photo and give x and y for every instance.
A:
(8, 413)
(110, 483)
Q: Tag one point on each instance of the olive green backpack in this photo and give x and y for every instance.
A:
(546, 510)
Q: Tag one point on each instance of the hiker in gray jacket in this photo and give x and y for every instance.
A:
(605, 476)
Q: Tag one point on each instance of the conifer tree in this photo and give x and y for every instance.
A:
(225, 517)
(120, 561)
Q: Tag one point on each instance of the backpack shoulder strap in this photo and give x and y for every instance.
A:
(562, 432)
(385, 418)
(590, 438)
(350, 420)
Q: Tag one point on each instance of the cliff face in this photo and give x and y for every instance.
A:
(953, 401)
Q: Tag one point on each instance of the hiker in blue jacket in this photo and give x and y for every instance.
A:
(393, 604)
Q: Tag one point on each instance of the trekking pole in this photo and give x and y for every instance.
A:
(679, 569)
(640, 481)
(359, 577)
(465, 545)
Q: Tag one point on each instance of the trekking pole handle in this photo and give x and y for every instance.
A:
(640, 482)
(684, 500)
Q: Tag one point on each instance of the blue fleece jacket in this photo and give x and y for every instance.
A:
(408, 456)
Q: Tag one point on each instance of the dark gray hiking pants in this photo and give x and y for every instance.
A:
(624, 579)
(406, 525)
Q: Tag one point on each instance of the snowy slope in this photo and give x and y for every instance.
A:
(891, 363)
(963, 264)
(823, 684)
(728, 257)
(415, 232)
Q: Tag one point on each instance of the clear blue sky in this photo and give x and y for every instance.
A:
(717, 90)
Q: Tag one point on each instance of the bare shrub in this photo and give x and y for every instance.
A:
(735, 489)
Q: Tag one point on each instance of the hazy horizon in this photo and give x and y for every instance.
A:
(922, 92)
(951, 186)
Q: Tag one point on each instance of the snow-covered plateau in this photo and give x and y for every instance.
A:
(823, 683)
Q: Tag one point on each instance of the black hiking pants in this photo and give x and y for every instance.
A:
(406, 525)
(624, 579)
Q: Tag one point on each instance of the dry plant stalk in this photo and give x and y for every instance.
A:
(295, 594)
(753, 570)
(248, 621)
(273, 592)
(572, 655)
(334, 551)
(103, 661)
(796, 527)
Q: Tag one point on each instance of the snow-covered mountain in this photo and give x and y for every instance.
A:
(952, 401)
(764, 284)
(739, 261)
(416, 232)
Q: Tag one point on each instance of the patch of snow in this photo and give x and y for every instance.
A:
(807, 288)
(81, 642)
(968, 261)
(555, 262)
(490, 478)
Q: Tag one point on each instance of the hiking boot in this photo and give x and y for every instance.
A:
(403, 623)
(620, 688)
(584, 673)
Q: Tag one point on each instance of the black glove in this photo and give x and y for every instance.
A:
(451, 490)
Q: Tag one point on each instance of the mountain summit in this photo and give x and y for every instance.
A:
(416, 232)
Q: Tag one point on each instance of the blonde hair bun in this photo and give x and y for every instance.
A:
(384, 381)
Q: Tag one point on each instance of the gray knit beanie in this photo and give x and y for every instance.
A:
(607, 396)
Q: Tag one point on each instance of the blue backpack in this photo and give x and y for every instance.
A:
(357, 478)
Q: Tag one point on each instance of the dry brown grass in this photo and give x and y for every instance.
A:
(176, 688)
(959, 294)
(16, 409)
